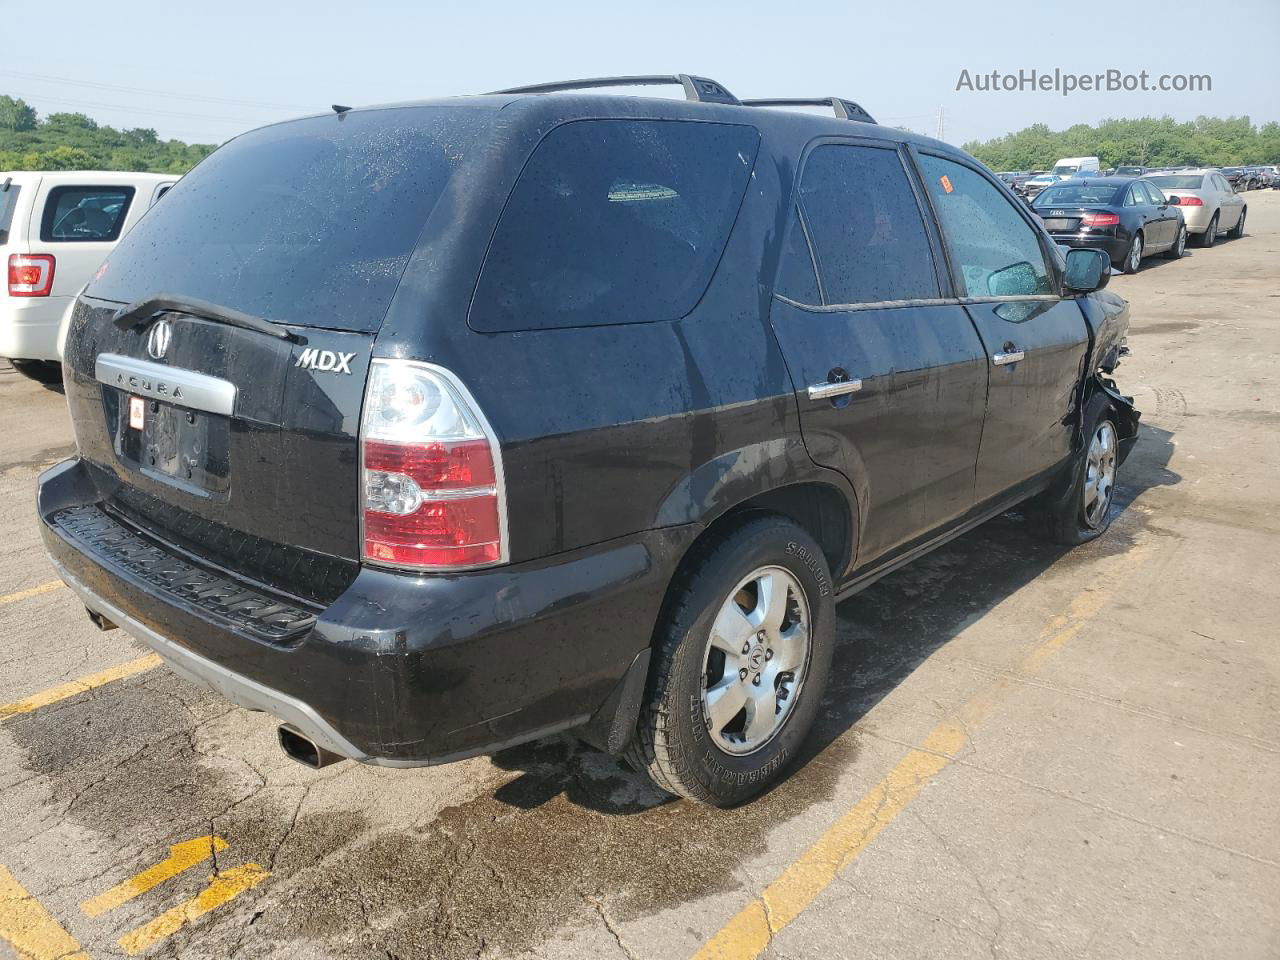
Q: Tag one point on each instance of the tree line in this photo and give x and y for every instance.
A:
(73, 141)
(1146, 141)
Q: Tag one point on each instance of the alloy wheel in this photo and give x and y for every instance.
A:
(755, 661)
(1135, 254)
(1100, 474)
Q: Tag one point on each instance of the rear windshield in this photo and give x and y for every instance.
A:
(614, 221)
(8, 203)
(309, 222)
(1178, 182)
(1128, 171)
(1066, 169)
(1075, 194)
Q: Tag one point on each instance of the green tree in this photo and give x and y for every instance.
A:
(15, 115)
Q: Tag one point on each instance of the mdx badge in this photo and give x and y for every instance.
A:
(326, 360)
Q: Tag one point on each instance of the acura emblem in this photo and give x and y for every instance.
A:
(158, 339)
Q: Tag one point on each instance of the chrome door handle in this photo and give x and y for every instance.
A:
(826, 389)
(1000, 359)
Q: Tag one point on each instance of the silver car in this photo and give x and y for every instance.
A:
(1208, 203)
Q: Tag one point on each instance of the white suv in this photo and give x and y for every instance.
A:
(55, 231)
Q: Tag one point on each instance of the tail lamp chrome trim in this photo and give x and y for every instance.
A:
(185, 388)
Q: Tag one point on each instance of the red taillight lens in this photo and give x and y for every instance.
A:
(30, 274)
(1099, 220)
(1190, 202)
(433, 496)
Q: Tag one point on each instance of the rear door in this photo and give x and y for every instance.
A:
(1162, 217)
(890, 377)
(1035, 341)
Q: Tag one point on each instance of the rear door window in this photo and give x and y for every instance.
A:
(997, 252)
(868, 235)
(614, 221)
(309, 222)
(77, 214)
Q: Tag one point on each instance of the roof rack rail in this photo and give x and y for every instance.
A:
(695, 88)
(844, 109)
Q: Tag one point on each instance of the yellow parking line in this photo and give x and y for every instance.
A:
(748, 933)
(182, 856)
(76, 687)
(223, 888)
(30, 929)
(32, 592)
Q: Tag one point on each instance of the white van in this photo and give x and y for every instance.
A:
(55, 231)
(1069, 167)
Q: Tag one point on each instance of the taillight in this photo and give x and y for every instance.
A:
(431, 472)
(30, 274)
(1099, 220)
(1190, 201)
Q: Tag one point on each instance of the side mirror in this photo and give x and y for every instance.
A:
(1087, 270)
(1174, 200)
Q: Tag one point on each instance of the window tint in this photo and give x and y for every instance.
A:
(614, 221)
(796, 279)
(8, 203)
(996, 250)
(1075, 193)
(84, 214)
(1178, 182)
(309, 222)
(866, 227)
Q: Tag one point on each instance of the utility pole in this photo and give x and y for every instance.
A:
(939, 135)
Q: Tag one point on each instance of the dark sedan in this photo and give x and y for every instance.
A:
(1128, 219)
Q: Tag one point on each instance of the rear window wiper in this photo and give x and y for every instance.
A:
(139, 312)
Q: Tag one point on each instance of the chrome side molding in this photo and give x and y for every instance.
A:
(186, 388)
(826, 389)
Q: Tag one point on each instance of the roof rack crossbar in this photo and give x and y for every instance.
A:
(844, 109)
(695, 88)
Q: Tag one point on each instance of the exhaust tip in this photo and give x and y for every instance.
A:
(99, 621)
(297, 746)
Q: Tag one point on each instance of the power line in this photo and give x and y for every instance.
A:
(150, 91)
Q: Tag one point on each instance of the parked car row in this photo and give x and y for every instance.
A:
(1130, 218)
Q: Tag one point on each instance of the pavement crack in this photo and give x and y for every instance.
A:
(609, 925)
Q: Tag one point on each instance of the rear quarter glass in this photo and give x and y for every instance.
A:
(614, 221)
(309, 222)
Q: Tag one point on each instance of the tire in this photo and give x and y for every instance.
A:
(1236, 232)
(1133, 258)
(48, 372)
(678, 743)
(1179, 246)
(1210, 235)
(1079, 517)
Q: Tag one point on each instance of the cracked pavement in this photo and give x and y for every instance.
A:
(1118, 799)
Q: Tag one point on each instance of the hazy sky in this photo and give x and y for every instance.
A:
(204, 72)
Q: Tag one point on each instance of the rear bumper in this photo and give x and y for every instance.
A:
(29, 326)
(399, 670)
(1114, 247)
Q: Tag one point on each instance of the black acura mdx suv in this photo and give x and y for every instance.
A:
(438, 427)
